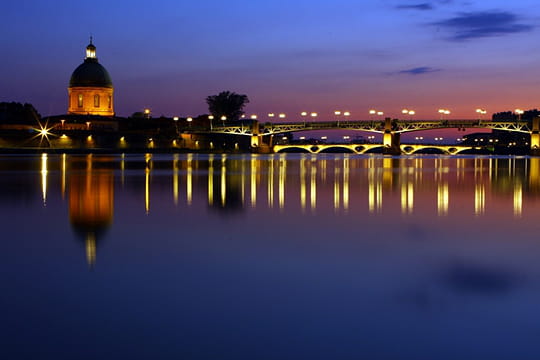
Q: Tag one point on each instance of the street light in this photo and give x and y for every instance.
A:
(282, 116)
(211, 118)
(408, 112)
(175, 119)
(347, 114)
(189, 120)
(223, 118)
(337, 113)
(519, 112)
(444, 112)
(253, 117)
(303, 114)
(480, 112)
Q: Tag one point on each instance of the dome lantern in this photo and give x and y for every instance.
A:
(90, 51)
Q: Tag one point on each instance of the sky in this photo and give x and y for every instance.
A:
(287, 56)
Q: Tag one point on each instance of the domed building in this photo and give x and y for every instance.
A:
(90, 87)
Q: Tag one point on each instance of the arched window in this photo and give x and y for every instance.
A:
(80, 100)
(109, 100)
(96, 100)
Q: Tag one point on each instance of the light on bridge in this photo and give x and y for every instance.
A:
(254, 117)
(282, 116)
(408, 112)
(519, 112)
(443, 112)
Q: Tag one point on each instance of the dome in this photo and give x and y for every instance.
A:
(90, 74)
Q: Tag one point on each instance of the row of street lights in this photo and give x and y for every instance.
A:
(338, 114)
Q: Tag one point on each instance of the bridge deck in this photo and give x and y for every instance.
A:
(398, 126)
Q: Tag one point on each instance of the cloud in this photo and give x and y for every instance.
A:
(423, 6)
(419, 70)
(472, 25)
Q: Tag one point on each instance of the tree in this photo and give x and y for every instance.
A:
(227, 104)
(17, 113)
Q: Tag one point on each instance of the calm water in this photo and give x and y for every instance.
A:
(269, 257)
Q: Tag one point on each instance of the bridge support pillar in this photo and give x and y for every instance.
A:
(257, 143)
(256, 138)
(391, 140)
(535, 137)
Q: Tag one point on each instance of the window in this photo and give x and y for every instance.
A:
(109, 101)
(96, 100)
(80, 101)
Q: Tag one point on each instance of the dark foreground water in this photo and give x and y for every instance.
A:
(269, 257)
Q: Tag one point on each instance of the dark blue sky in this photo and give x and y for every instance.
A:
(287, 56)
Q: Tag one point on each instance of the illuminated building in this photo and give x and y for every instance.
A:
(90, 87)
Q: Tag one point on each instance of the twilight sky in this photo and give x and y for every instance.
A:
(287, 56)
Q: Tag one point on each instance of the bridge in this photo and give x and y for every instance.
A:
(390, 128)
(406, 149)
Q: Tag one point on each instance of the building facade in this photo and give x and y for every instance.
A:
(90, 90)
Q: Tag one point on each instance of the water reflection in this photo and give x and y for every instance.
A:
(91, 201)
(351, 244)
(345, 177)
(347, 184)
(44, 172)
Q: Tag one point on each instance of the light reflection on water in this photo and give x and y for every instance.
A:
(224, 256)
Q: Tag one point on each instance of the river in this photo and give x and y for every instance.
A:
(298, 256)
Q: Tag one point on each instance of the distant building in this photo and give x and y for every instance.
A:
(90, 87)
